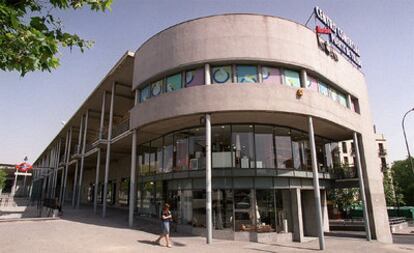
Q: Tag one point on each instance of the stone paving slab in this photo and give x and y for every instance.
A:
(82, 231)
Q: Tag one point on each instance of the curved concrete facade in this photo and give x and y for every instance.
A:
(244, 38)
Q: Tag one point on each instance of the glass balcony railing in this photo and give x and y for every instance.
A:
(120, 128)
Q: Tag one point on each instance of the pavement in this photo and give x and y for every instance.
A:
(83, 231)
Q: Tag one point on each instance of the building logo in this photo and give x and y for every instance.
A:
(23, 167)
(337, 38)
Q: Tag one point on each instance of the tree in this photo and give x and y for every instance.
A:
(403, 181)
(388, 189)
(3, 176)
(345, 199)
(30, 36)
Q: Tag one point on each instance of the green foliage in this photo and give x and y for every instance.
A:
(30, 36)
(403, 181)
(390, 197)
(3, 175)
(344, 199)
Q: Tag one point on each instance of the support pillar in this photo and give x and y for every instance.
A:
(316, 188)
(362, 187)
(95, 189)
(108, 150)
(209, 217)
(63, 170)
(85, 131)
(132, 184)
(66, 167)
(297, 219)
(75, 183)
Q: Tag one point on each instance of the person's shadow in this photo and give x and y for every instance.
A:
(153, 243)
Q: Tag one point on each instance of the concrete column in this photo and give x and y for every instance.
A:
(101, 125)
(297, 215)
(67, 167)
(95, 189)
(362, 187)
(78, 150)
(303, 78)
(63, 170)
(108, 150)
(132, 184)
(75, 185)
(85, 131)
(209, 217)
(316, 188)
(325, 212)
(349, 101)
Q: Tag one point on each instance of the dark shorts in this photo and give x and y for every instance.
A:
(165, 227)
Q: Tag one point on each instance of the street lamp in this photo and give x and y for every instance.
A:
(405, 138)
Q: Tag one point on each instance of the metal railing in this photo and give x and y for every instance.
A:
(344, 172)
(120, 128)
(382, 152)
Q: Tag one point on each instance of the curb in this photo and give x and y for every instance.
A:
(29, 219)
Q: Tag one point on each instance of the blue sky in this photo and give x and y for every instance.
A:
(32, 108)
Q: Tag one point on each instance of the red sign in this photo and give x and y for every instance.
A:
(23, 167)
(323, 30)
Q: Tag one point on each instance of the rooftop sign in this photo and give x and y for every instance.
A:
(338, 38)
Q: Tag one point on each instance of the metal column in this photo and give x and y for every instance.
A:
(67, 159)
(362, 188)
(316, 188)
(75, 182)
(98, 158)
(63, 170)
(208, 180)
(132, 184)
(108, 151)
(85, 131)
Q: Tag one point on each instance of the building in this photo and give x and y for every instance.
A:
(254, 93)
(347, 152)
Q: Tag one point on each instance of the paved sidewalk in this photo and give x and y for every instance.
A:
(82, 231)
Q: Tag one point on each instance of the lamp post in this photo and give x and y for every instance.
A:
(405, 138)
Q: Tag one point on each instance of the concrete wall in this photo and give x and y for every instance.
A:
(258, 38)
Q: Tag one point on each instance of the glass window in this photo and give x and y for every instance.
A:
(265, 211)
(123, 194)
(221, 147)
(292, 78)
(181, 144)
(342, 99)
(265, 154)
(323, 89)
(221, 74)
(312, 84)
(271, 75)
(174, 83)
(168, 153)
(145, 94)
(283, 204)
(283, 144)
(194, 77)
(199, 208)
(156, 88)
(146, 168)
(156, 155)
(244, 210)
(197, 148)
(222, 209)
(246, 74)
(320, 153)
(301, 151)
(355, 104)
(243, 146)
(334, 95)
(148, 199)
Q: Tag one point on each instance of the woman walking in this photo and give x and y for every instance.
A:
(166, 218)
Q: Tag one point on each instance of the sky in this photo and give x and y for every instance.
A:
(33, 107)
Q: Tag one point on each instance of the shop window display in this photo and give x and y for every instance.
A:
(243, 146)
